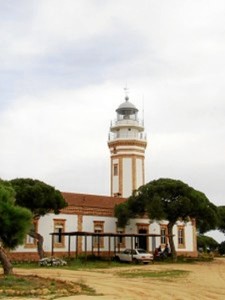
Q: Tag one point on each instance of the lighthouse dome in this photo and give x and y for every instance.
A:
(126, 108)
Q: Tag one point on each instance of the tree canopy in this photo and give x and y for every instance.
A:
(171, 200)
(206, 243)
(39, 197)
(221, 248)
(15, 223)
(221, 226)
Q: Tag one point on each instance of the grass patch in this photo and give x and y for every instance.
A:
(154, 274)
(75, 264)
(36, 287)
(94, 262)
(185, 260)
(192, 260)
(25, 265)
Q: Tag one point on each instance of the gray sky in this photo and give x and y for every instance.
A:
(63, 67)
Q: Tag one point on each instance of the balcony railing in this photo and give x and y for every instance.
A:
(127, 122)
(128, 136)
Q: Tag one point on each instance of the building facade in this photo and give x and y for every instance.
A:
(95, 214)
(89, 214)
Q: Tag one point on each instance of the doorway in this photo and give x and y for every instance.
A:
(142, 240)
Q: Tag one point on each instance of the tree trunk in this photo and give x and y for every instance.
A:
(172, 246)
(40, 241)
(6, 264)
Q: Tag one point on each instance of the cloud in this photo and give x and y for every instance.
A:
(63, 67)
(44, 134)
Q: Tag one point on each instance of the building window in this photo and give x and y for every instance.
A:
(58, 238)
(120, 239)
(59, 228)
(163, 232)
(181, 237)
(115, 169)
(98, 241)
(30, 241)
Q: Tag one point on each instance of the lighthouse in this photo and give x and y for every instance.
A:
(127, 144)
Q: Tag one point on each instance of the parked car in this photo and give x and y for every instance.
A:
(134, 255)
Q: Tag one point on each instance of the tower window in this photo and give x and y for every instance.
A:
(115, 170)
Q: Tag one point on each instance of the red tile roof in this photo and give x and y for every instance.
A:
(92, 201)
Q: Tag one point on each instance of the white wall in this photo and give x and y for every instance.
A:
(109, 226)
(189, 242)
(46, 226)
(139, 173)
(115, 179)
(127, 177)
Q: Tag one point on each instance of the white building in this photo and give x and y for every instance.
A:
(87, 214)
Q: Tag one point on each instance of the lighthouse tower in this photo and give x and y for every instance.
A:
(127, 143)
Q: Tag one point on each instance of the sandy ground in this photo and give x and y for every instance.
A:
(205, 281)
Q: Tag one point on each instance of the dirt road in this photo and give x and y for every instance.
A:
(205, 281)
